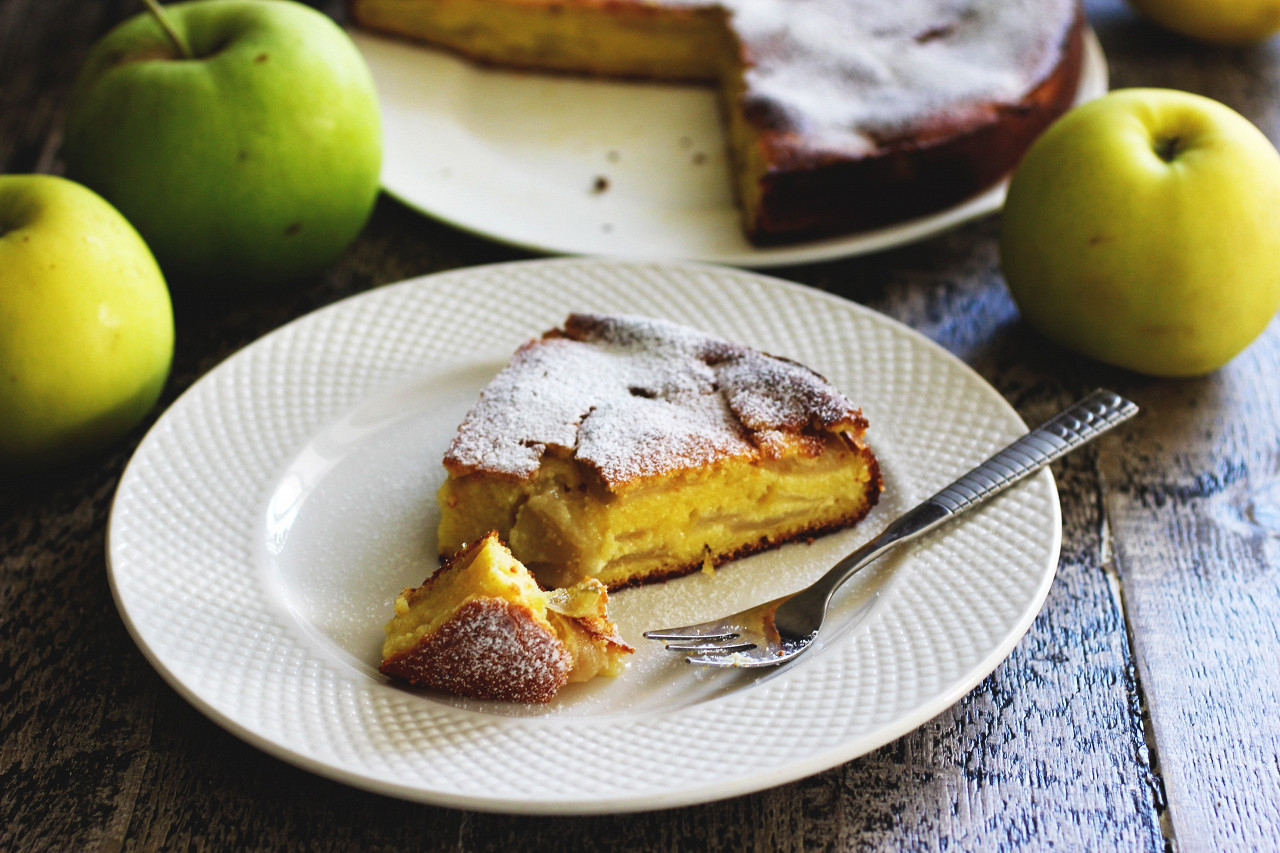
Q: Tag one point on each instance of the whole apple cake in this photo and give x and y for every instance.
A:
(631, 449)
(842, 115)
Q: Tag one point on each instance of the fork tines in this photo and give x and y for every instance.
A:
(687, 634)
(723, 647)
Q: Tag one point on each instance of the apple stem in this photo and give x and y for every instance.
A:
(1168, 148)
(157, 12)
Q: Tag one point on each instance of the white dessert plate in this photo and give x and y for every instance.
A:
(567, 165)
(263, 528)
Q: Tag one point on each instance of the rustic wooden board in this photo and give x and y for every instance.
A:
(1195, 517)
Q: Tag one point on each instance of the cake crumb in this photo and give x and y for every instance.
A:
(600, 184)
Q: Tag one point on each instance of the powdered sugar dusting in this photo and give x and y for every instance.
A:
(643, 437)
(849, 72)
(635, 397)
(490, 649)
(770, 393)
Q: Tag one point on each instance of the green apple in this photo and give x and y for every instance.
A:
(86, 326)
(1143, 229)
(253, 162)
(1220, 21)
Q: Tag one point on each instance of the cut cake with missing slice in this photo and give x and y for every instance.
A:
(840, 115)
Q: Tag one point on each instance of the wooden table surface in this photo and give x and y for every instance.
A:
(1138, 713)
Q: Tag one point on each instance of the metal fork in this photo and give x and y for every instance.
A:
(779, 630)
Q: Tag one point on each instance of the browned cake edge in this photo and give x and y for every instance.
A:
(805, 195)
(489, 649)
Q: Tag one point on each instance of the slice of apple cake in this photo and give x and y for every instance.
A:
(631, 450)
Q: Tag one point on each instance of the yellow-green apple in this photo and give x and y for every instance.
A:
(1143, 229)
(1220, 21)
(253, 161)
(86, 326)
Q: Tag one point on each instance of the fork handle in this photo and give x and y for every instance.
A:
(1057, 437)
(1081, 422)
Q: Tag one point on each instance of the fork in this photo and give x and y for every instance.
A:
(777, 631)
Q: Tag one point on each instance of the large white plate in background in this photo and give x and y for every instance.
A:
(516, 156)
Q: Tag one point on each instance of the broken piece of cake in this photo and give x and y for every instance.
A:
(482, 627)
(630, 450)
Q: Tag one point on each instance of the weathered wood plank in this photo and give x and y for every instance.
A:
(1194, 514)
(1191, 508)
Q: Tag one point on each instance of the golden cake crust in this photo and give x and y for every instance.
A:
(489, 649)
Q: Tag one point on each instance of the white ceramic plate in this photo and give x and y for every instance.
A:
(267, 521)
(516, 157)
